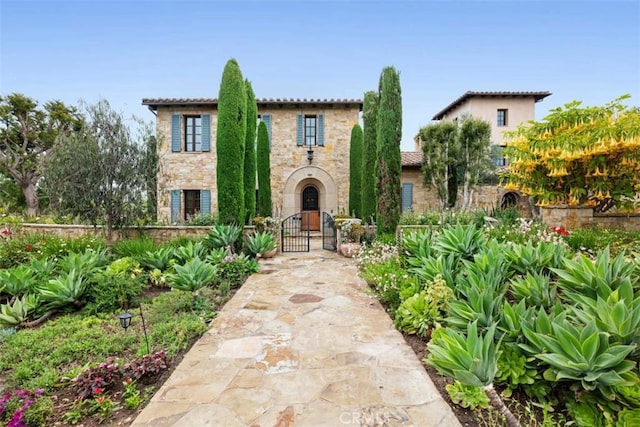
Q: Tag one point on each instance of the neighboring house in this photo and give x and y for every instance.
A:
(309, 155)
(504, 111)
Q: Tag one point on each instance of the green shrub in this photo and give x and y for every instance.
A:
(234, 270)
(467, 396)
(18, 280)
(189, 251)
(387, 279)
(134, 248)
(109, 293)
(158, 259)
(83, 263)
(203, 219)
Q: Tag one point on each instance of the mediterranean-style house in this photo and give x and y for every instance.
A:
(309, 155)
(504, 110)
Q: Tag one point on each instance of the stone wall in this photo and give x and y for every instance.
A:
(484, 196)
(571, 217)
(157, 233)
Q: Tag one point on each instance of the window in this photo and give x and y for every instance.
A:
(502, 117)
(310, 130)
(191, 203)
(407, 196)
(193, 133)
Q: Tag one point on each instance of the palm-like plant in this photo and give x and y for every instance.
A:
(471, 360)
(193, 275)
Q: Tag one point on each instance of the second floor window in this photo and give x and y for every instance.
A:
(310, 130)
(193, 133)
(502, 117)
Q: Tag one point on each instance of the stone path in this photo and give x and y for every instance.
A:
(300, 344)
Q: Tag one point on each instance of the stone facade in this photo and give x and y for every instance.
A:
(291, 170)
(571, 217)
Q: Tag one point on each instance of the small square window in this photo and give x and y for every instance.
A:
(502, 117)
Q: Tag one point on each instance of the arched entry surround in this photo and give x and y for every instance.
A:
(303, 177)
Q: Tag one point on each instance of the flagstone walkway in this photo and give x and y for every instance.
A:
(300, 344)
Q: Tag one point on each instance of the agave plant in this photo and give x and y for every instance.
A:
(18, 280)
(65, 290)
(536, 289)
(83, 263)
(462, 240)
(427, 269)
(193, 275)
(216, 256)
(471, 360)
(537, 259)
(417, 244)
(13, 315)
(511, 319)
(586, 277)
(580, 353)
(223, 236)
(259, 243)
(159, 258)
(184, 254)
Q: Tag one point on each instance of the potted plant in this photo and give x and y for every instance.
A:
(351, 232)
(261, 244)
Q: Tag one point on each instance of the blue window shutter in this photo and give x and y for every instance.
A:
(266, 118)
(175, 133)
(407, 196)
(300, 130)
(205, 202)
(175, 205)
(205, 137)
(320, 130)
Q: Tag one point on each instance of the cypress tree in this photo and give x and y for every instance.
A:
(370, 120)
(230, 140)
(250, 155)
(388, 159)
(355, 171)
(264, 172)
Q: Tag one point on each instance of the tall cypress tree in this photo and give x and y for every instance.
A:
(230, 140)
(370, 120)
(250, 155)
(389, 161)
(355, 171)
(264, 172)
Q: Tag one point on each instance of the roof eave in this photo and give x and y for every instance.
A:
(537, 97)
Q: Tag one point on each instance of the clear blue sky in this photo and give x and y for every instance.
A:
(126, 51)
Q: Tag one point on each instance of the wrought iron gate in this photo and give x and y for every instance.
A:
(294, 236)
(329, 235)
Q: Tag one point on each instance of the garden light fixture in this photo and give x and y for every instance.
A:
(125, 322)
(125, 319)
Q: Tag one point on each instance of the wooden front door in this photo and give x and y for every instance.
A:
(310, 209)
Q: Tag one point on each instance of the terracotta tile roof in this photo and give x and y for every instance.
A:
(411, 158)
(537, 96)
(154, 103)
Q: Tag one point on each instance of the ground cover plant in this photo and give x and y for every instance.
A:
(540, 323)
(64, 358)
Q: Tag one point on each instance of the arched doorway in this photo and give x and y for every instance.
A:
(509, 199)
(310, 208)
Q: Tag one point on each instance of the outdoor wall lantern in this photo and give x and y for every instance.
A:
(125, 322)
(310, 155)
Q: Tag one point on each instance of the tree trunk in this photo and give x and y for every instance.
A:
(497, 403)
(29, 191)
